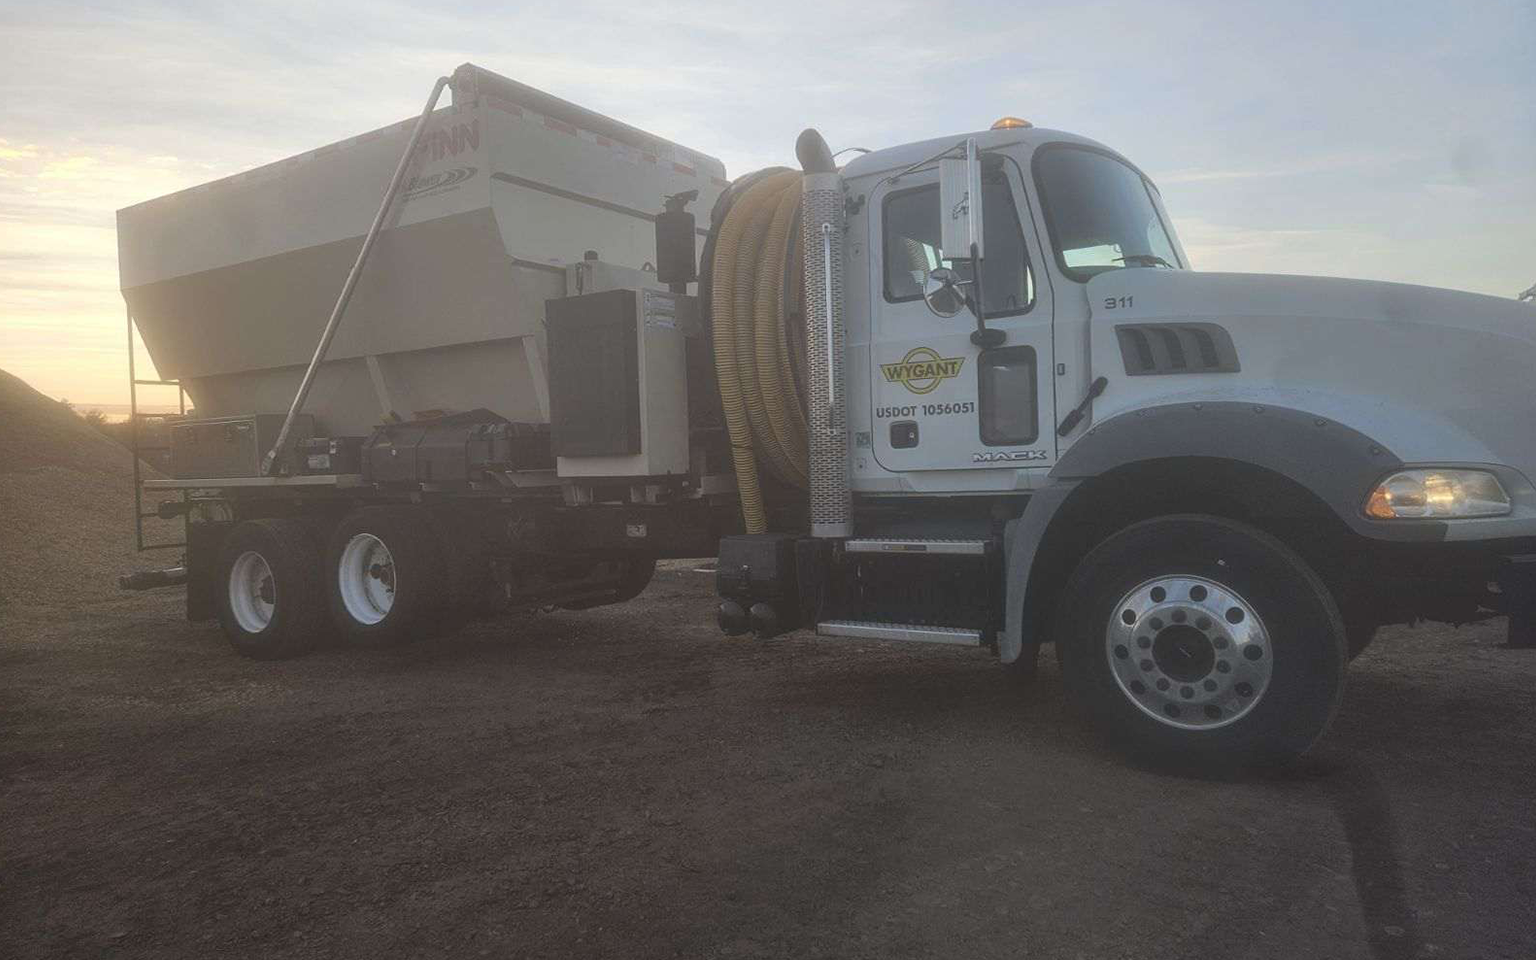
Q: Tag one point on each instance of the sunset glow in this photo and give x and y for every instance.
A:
(1326, 158)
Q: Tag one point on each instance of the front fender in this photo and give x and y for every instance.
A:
(1337, 463)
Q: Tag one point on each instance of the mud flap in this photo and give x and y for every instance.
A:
(203, 543)
(1517, 580)
(1021, 541)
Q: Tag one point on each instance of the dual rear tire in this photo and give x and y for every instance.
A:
(386, 575)
(271, 599)
(381, 580)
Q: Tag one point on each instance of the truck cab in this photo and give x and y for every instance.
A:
(930, 409)
(1208, 491)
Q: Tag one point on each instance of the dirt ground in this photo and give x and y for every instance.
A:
(624, 782)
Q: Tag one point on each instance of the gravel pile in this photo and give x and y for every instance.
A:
(66, 506)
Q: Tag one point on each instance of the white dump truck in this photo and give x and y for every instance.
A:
(965, 391)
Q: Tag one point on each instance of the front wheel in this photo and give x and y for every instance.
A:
(1199, 640)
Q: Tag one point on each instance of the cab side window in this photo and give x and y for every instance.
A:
(911, 223)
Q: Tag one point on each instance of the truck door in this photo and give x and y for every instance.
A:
(940, 402)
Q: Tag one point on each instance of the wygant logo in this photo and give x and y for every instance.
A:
(922, 370)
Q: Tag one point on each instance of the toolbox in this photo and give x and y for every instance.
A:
(231, 446)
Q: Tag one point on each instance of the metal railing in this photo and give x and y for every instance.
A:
(138, 449)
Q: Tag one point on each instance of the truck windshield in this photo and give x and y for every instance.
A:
(1100, 213)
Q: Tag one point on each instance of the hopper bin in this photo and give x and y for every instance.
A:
(231, 283)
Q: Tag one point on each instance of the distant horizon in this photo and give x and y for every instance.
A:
(113, 412)
(117, 408)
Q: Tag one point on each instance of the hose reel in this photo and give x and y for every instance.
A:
(759, 345)
(779, 387)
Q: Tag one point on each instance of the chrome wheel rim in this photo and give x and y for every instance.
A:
(366, 579)
(252, 592)
(1189, 652)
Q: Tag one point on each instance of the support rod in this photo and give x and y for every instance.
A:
(352, 277)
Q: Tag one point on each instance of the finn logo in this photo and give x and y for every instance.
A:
(448, 141)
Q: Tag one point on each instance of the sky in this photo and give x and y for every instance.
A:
(1384, 140)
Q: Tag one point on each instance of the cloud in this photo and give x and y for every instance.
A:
(1296, 167)
(8, 152)
(1382, 138)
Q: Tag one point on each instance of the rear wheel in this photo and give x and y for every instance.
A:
(272, 601)
(386, 574)
(1203, 641)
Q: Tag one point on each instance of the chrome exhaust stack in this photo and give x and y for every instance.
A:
(822, 229)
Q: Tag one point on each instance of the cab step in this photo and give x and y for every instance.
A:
(876, 630)
(969, 548)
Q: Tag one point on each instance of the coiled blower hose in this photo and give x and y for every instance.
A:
(755, 300)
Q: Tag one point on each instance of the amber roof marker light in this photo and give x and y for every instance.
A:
(1010, 123)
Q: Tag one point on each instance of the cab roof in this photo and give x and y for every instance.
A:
(907, 154)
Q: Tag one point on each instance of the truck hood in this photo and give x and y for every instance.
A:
(1275, 295)
(1437, 375)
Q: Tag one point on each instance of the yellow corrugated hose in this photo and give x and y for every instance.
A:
(753, 340)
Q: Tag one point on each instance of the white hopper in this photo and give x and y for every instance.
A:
(231, 283)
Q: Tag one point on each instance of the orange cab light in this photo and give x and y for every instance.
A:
(1008, 123)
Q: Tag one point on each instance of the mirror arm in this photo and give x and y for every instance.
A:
(983, 336)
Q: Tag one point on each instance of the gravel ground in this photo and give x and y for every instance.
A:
(624, 782)
(66, 505)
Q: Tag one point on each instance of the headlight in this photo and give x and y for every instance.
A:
(1437, 493)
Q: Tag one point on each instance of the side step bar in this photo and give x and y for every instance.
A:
(875, 630)
(974, 548)
(150, 579)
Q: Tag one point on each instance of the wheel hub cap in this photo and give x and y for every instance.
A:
(252, 592)
(1189, 652)
(366, 579)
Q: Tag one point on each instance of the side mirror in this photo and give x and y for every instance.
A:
(676, 264)
(942, 293)
(960, 228)
(961, 234)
